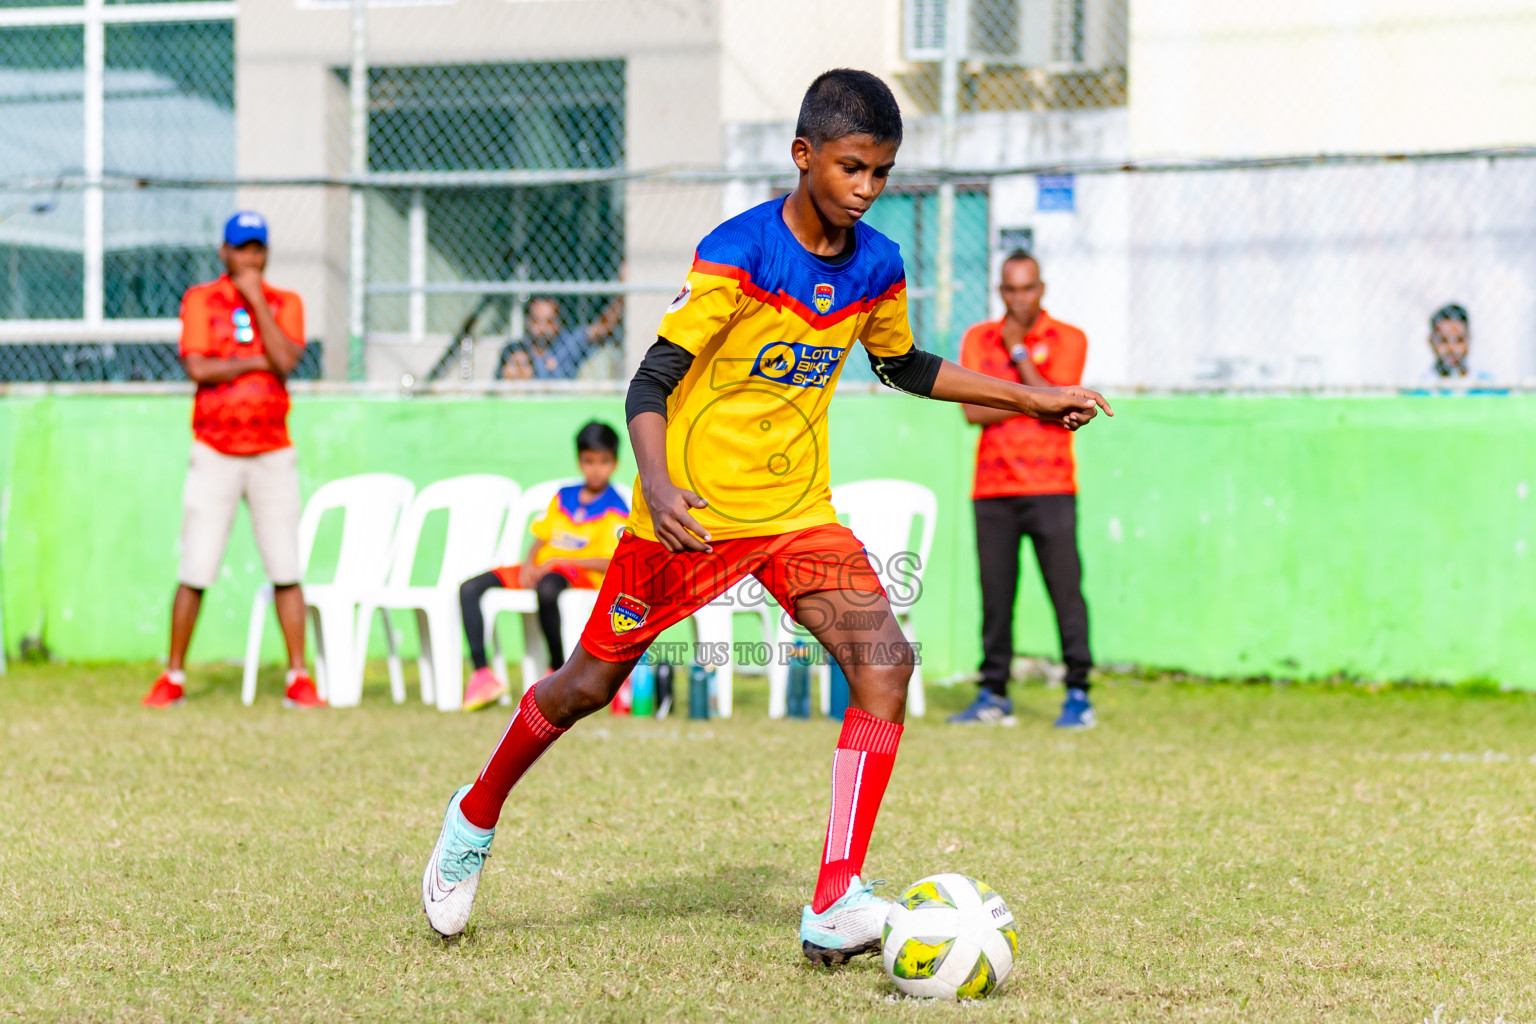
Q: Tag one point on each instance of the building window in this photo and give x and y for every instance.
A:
(91, 95)
(549, 116)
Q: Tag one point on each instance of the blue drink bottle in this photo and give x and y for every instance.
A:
(698, 692)
(642, 683)
(839, 690)
(798, 704)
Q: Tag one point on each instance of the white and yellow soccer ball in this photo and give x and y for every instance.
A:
(949, 937)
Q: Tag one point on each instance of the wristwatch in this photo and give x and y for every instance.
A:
(1019, 354)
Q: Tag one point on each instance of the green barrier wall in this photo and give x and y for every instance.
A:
(1387, 537)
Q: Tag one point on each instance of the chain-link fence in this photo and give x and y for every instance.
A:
(524, 217)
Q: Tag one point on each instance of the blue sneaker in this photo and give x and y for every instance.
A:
(852, 925)
(1076, 712)
(987, 708)
(452, 877)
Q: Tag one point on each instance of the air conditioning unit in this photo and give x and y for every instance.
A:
(1056, 34)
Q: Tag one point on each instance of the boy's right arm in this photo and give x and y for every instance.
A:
(670, 505)
(710, 296)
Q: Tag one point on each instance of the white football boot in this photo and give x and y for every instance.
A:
(849, 927)
(453, 874)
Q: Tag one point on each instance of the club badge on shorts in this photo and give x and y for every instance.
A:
(822, 296)
(627, 613)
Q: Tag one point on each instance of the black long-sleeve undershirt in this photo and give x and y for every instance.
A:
(913, 372)
(661, 371)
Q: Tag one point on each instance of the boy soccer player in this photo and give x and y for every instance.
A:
(728, 419)
(573, 543)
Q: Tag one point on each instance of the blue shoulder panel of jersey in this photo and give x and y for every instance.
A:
(609, 501)
(737, 242)
(762, 253)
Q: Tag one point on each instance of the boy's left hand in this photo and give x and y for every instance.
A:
(1069, 407)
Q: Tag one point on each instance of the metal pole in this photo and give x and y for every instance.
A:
(417, 236)
(357, 268)
(94, 240)
(949, 112)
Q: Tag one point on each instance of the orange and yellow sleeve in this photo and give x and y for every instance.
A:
(605, 541)
(291, 318)
(543, 527)
(1066, 363)
(970, 350)
(710, 297)
(196, 339)
(887, 332)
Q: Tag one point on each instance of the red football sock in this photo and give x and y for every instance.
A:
(861, 767)
(527, 737)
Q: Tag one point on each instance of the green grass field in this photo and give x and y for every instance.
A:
(1212, 852)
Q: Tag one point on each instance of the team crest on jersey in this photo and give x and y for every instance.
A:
(822, 297)
(627, 613)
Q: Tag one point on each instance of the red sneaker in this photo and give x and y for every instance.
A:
(301, 693)
(484, 689)
(164, 693)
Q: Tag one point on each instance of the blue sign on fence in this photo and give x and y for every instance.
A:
(1054, 193)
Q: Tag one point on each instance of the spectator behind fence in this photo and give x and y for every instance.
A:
(573, 543)
(1450, 344)
(550, 351)
(240, 339)
(1026, 486)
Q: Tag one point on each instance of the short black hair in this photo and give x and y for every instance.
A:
(844, 102)
(597, 437)
(1450, 311)
(1021, 254)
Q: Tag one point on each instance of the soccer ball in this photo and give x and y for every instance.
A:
(949, 937)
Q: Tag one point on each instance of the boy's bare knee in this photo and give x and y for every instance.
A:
(886, 682)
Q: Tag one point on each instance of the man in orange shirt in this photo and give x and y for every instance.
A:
(240, 339)
(1026, 486)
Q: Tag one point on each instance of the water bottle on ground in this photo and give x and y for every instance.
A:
(839, 690)
(798, 702)
(643, 690)
(698, 692)
(623, 701)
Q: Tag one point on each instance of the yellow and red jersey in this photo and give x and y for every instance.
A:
(247, 415)
(1020, 455)
(769, 326)
(570, 529)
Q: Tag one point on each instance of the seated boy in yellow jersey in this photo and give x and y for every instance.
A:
(573, 542)
(728, 419)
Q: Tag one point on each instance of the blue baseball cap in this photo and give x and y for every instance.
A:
(245, 226)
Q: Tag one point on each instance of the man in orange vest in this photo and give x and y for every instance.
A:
(1026, 486)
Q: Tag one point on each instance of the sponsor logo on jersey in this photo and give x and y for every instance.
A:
(798, 364)
(822, 297)
(627, 613)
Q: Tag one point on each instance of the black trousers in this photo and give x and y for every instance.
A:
(1050, 521)
(548, 588)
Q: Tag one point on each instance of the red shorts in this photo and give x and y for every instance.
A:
(649, 588)
(511, 574)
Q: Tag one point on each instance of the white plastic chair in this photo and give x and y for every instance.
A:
(371, 504)
(476, 507)
(576, 603)
(880, 514)
(713, 624)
